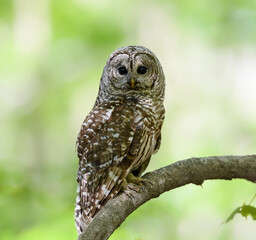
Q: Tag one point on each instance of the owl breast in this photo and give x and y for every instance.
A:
(149, 118)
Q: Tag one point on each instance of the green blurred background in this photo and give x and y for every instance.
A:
(52, 54)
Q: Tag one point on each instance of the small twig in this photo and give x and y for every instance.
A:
(252, 199)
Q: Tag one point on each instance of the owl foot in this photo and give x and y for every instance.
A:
(140, 182)
(129, 189)
(133, 184)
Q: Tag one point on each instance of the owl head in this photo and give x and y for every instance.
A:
(132, 71)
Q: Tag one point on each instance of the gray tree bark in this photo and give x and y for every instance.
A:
(193, 170)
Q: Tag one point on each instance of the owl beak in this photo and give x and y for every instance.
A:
(133, 82)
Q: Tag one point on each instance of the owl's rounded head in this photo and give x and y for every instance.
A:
(132, 71)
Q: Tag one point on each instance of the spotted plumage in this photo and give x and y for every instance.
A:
(122, 131)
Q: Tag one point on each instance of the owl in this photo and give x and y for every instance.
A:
(122, 131)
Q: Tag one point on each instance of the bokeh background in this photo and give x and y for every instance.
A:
(52, 55)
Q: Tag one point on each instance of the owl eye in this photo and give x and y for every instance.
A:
(122, 70)
(141, 70)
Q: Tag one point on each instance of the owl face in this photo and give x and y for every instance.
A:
(132, 70)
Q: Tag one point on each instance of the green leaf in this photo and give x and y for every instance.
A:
(245, 211)
(248, 210)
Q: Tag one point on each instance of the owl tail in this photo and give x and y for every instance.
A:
(95, 197)
(80, 222)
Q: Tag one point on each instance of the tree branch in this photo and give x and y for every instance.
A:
(193, 170)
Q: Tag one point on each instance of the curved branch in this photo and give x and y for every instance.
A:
(193, 170)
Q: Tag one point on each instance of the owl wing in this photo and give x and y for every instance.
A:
(158, 143)
(107, 146)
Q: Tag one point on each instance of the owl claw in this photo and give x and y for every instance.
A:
(133, 184)
(134, 187)
(129, 190)
(129, 194)
(144, 182)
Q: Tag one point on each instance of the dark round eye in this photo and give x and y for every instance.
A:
(141, 70)
(122, 70)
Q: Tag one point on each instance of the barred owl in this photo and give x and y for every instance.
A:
(121, 132)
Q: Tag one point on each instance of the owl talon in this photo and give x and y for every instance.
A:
(130, 189)
(134, 187)
(129, 194)
(144, 182)
(148, 182)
